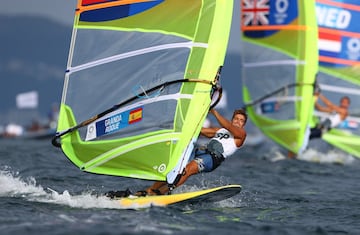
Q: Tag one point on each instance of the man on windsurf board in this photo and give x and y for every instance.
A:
(224, 142)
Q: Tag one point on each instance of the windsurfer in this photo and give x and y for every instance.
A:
(338, 113)
(225, 140)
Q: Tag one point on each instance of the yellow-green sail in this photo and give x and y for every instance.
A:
(138, 83)
(279, 64)
(339, 56)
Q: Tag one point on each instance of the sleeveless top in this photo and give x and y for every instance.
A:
(335, 119)
(223, 142)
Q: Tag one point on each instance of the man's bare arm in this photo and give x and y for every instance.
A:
(237, 132)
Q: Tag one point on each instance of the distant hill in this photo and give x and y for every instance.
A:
(33, 56)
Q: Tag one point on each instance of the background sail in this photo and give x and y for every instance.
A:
(280, 62)
(138, 83)
(339, 56)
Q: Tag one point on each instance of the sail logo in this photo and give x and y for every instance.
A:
(329, 42)
(349, 124)
(259, 12)
(161, 168)
(269, 107)
(264, 18)
(255, 12)
(339, 43)
(281, 8)
(353, 46)
(135, 115)
(113, 123)
(333, 17)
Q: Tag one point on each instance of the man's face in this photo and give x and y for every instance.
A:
(344, 103)
(238, 120)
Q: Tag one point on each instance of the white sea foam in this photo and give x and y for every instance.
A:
(12, 185)
(332, 156)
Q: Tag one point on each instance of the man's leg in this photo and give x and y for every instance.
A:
(190, 169)
(153, 189)
(161, 187)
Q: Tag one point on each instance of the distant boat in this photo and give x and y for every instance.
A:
(24, 101)
(12, 130)
(16, 131)
(279, 65)
(38, 129)
(339, 56)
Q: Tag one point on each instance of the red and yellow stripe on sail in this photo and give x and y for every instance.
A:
(88, 5)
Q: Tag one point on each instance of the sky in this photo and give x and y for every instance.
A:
(63, 11)
(60, 10)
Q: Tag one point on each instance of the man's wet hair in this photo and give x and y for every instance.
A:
(242, 112)
(345, 98)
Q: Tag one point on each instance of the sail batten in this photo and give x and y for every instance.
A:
(337, 89)
(139, 80)
(274, 63)
(135, 53)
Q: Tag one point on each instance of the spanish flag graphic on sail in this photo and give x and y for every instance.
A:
(135, 115)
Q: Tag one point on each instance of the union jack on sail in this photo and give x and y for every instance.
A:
(255, 12)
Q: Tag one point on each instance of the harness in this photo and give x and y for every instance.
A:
(214, 149)
(217, 158)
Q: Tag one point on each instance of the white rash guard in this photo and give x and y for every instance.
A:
(335, 120)
(227, 141)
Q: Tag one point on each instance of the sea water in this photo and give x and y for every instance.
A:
(42, 192)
